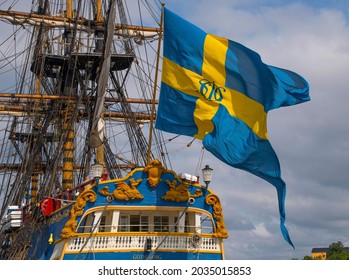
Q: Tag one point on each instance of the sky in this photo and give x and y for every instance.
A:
(311, 139)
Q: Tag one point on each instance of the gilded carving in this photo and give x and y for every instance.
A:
(77, 210)
(105, 191)
(179, 193)
(197, 193)
(124, 191)
(154, 170)
(213, 200)
(176, 193)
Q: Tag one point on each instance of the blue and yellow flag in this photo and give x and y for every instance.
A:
(219, 91)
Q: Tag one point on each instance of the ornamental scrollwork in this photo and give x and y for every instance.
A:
(76, 211)
(213, 200)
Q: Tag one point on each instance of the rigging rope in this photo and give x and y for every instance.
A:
(169, 232)
(200, 160)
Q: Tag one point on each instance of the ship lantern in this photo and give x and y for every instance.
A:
(50, 240)
(97, 170)
(207, 175)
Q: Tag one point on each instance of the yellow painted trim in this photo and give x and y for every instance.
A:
(148, 208)
(138, 233)
(64, 248)
(222, 248)
(142, 169)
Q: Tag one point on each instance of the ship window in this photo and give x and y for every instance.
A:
(206, 224)
(82, 226)
(177, 228)
(144, 223)
(86, 223)
(161, 223)
(187, 226)
(134, 221)
(139, 223)
(102, 224)
(123, 223)
(175, 224)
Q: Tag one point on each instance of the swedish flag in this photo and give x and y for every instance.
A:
(219, 91)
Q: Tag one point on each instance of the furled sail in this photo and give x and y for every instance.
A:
(97, 129)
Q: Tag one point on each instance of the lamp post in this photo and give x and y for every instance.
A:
(97, 170)
(207, 175)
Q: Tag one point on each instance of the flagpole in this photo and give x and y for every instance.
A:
(155, 84)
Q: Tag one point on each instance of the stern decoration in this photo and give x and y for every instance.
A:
(77, 210)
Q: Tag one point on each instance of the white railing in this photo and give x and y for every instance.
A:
(124, 242)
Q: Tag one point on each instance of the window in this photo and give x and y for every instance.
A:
(176, 224)
(134, 222)
(123, 223)
(102, 224)
(144, 223)
(206, 224)
(187, 226)
(161, 223)
(82, 225)
(86, 223)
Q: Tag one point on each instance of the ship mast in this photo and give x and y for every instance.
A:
(100, 34)
(49, 112)
(68, 125)
(63, 93)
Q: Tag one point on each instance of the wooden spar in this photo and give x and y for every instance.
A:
(40, 168)
(155, 84)
(70, 98)
(83, 24)
(25, 110)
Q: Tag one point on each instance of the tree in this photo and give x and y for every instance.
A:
(336, 252)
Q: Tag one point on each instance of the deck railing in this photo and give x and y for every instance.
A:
(139, 243)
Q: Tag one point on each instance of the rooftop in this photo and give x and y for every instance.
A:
(318, 250)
